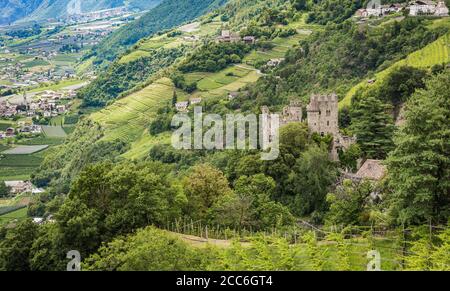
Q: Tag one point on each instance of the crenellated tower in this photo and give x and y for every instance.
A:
(323, 114)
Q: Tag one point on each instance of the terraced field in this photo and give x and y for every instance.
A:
(54, 131)
(282, 45)
(252, 77)
(164, 41)
(24, 149)
(435, 53)
(211, 81)
(13, 168)
(18, 215)
(129, 117)
(4, 125)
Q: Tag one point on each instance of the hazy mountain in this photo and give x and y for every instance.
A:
(27, 10)
(11, 10)
(168, 14)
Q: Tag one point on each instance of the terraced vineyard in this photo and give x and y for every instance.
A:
(188, 35)
(436, 53)
(211, 81)
(129, 117)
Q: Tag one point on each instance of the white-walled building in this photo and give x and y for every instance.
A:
(427, 7)
(441, 9)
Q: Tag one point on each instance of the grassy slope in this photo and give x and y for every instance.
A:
(128, 118)
(435, 53)
(20, 214)
(168, 14)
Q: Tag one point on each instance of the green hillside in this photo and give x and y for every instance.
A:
(436, 53)
(168, 14)
(128, 117)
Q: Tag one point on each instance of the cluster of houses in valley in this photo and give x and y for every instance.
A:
(47, 104)
(415, 8)
(23, 128)
(79, 17)
(16, 75)
(231, 37)
(20, 187)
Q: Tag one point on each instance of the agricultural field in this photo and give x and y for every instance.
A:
(144, 47)
(68, 129)
(240, 83)
(4, 125)
(211, 81)
(18, 215)
(41, 140)
(436, 53)
(58, 86)
(129, 117)
(18, 162)
(65, 60)
(54, 131)
(141, 147)
(15, 167)
(281, 46)
(16, 173)
(36, 63)
(24, 150)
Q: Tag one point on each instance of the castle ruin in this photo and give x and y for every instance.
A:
(322, 118)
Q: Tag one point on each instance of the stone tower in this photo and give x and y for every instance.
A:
(292, 113)
(323, 114)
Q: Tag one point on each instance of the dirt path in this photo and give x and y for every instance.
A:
(203, 242)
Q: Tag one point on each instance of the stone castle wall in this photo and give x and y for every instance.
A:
(322, 118)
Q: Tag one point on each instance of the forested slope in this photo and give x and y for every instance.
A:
(168, 14)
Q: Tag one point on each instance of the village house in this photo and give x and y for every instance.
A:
(249, 39)
(275, 62)
(391, 8)
(33, 129)
(379, 10)
(61, 109)
(427, 7)
(416, 8)
(232, 95)
(182, 106)
(370, 170)
(441, 9)
(228, 36)
(10, 132)
(19, 187)
(194, 101)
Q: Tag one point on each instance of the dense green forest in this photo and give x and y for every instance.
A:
(214, 57)
(333, 60)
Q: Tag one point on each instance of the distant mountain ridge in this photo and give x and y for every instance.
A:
(168, 14)
(31, 10)
(12, 10)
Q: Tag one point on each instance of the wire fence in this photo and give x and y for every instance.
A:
(393, 244)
